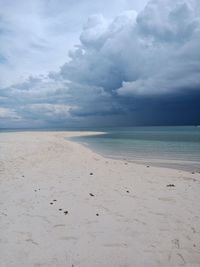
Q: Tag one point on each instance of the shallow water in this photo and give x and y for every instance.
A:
(159, 143)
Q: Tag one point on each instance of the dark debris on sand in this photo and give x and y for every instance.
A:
(37, 190)
(170, 185)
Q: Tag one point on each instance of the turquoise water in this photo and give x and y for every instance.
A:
(173, 143)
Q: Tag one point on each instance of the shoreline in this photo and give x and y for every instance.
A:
(188, 166)
(181, 165)
(62, 205)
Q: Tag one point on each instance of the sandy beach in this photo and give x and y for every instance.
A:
(62, 205)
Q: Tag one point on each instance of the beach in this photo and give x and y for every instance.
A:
(63, 205)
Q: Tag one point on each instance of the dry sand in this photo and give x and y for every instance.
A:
(121, 215)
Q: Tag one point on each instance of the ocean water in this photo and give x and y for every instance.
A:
(147, 143)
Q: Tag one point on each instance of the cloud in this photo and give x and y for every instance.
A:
(145, 54)
(171, 37)
(36, 35)
(47, 112)
(137, 68)
(6, 113)
(177, 23)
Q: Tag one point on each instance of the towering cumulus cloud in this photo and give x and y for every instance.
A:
(136, 69)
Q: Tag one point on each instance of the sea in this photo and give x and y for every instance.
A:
(180, 144)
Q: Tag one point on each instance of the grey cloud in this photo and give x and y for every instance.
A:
(6, 113)
(103, 57)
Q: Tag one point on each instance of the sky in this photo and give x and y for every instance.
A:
(73, 63)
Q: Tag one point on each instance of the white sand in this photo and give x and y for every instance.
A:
(152, 225)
